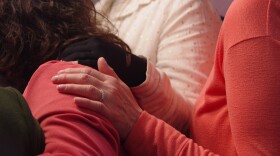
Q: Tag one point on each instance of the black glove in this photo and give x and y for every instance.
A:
(130, 68)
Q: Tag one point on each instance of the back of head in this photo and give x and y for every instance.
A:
(35, 31)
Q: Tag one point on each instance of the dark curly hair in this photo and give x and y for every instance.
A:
(35, 31)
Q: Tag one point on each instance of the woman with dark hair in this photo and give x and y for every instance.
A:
(237, 112)
(33, 32)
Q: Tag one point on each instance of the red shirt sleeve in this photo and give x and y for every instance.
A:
(252, 76)
(153, 137)
(68, 130)
(252, 72)
(239, 111)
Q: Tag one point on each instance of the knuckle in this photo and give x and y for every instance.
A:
(91, 89)
(112, 80)
(101, 108)
(114, 90)
(87, 71)
(85, 77)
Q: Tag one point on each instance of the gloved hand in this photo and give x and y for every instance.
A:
(130, 68)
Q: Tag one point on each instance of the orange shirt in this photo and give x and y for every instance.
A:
(68, 130)
(238, 112)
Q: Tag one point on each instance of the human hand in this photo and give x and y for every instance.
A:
(103, 93)
(130, 68)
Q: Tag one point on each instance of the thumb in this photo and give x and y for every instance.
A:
(104, 68)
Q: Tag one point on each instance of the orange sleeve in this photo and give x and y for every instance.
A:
(251, 71)
(252, 74)
(68, 130)
(153, 137)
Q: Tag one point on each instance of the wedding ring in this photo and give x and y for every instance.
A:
(102, 95)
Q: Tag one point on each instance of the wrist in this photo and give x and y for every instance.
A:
(131, 125)
(133, 119)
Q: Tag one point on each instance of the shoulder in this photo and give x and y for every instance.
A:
(54, 66)
(249, 19)
(274, 19)
(44, 74)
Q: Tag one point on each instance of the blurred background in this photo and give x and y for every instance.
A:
(221, 6)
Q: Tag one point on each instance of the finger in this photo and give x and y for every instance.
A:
(89, 71)
(87, 91)
(95, 106)
(74, 62)
(105, 68)
(75, 78)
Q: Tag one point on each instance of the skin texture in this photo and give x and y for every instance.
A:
(123, 115)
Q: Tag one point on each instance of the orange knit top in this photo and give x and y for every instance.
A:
(238, 112)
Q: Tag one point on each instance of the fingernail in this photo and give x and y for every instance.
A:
(54, 78)
(74, 62)
(61, 71)
(60, 87)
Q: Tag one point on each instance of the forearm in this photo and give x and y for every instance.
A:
(78, 135)
(153, 137)
(157, 97)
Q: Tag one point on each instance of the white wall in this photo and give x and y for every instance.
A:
(221, 6)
